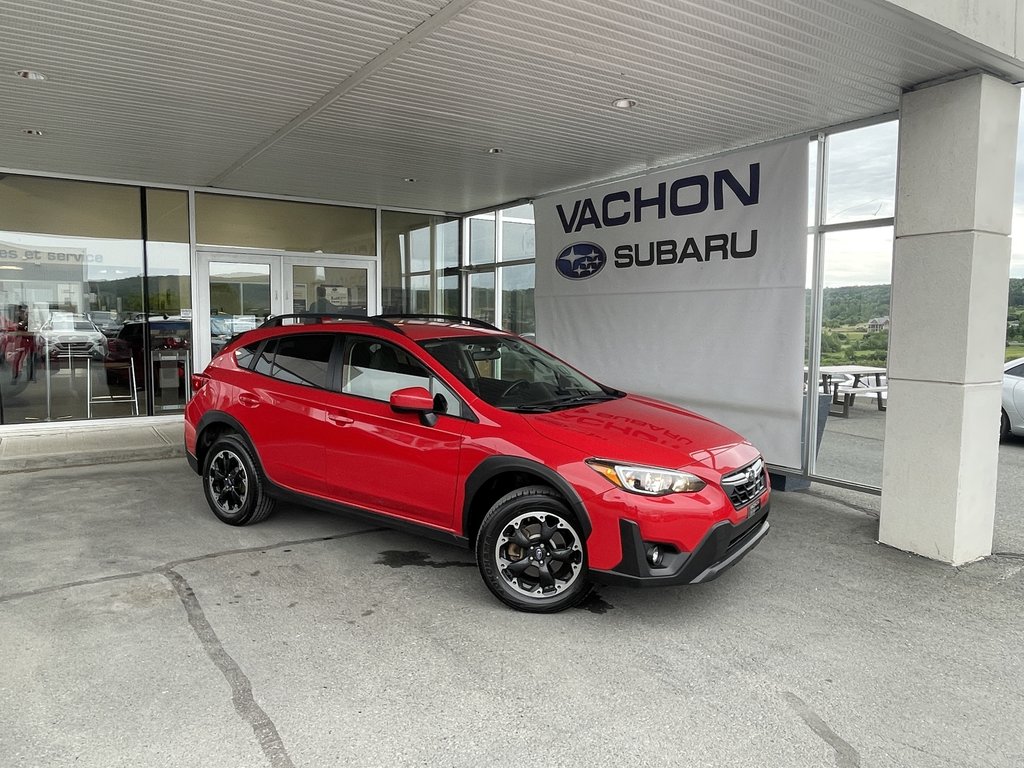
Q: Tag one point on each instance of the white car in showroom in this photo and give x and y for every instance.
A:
(1012, 420)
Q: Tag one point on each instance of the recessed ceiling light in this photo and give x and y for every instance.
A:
(624, 103)
(409, 179)
(28, 74)
(31, 131)
(495, 151)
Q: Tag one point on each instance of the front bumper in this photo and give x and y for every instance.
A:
(722, 547)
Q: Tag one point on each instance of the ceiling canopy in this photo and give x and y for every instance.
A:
(403, 102)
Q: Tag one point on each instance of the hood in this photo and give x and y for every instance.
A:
(645, 431)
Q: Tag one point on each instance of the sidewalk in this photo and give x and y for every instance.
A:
(31, 447)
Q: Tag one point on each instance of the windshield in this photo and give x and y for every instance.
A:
(513, 374)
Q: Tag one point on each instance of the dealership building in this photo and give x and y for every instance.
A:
(744, 207)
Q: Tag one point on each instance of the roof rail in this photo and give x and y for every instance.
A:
(315, 318)
(448, 318)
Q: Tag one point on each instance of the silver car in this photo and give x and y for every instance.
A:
(70, 334)
(1012, 420)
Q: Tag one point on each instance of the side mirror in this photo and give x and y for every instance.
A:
(414, 400)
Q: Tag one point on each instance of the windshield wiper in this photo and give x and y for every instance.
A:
(588, 399)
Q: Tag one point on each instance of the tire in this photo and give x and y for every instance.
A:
(233, 484)
(519, 565)
(1004, 426)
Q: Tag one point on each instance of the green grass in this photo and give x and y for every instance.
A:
(1013, 351)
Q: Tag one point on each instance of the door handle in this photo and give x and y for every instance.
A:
(248, 400)
(339, 419)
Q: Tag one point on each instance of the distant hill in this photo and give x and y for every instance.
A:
(856, 304)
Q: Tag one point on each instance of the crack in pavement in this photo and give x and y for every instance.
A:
(183, 561)
(846, 755)
(241, 688)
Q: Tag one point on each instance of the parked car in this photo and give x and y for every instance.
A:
(476, 436)
(66, 333)
(166, 335)
(107, 322)
(1012, 419)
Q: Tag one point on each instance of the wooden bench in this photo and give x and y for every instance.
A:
(849, 393)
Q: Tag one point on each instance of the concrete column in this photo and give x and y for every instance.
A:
(948, 317)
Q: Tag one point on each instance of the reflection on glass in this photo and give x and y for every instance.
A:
(854, 352)
(517, 233)
(335, 290)
(449, 301)
(481, 239)
(416, 248)
(517, 313)
(239, 299)
(62, 301)
(481, 296)
(861, 182)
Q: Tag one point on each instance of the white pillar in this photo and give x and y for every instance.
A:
(948, 317)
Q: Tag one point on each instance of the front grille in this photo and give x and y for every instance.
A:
(745, 485)
(73, 346)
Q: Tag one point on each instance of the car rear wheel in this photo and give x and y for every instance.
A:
(531, 553)
(233, 486)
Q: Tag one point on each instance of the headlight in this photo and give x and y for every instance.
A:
(647, 481)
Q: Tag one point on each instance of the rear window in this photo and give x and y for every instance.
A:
(297, 359)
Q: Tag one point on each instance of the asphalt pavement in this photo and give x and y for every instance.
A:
(137, 630)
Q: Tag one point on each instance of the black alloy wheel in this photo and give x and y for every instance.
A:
(233, 486)
(531, 553)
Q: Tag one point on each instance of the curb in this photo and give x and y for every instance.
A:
(90, 458)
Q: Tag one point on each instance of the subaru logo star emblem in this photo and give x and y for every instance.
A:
(580, 261)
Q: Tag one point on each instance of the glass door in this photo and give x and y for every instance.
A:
(237, 291)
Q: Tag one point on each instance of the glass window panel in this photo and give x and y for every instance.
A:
(414, 243)
(329, 289)
(239, 299)
(419, 294)
(517, 312)
(517, 234)
(861, 181)
(812, 180)
(71, 261)
(448, 244)
(481, 239)
(481, 296)
(284, 225)
(1015, 311)
(169, 296)
(854, 352)
(449, 300)
(375, 369)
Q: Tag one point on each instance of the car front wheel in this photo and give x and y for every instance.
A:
(233, 486)
(531, 553)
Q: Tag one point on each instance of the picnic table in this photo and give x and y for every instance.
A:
(845, 382)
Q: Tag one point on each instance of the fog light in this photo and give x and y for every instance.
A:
(654, 555)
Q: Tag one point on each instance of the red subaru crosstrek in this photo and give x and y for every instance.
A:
(476, 436)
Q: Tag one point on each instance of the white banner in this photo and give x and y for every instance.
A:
(688, 285)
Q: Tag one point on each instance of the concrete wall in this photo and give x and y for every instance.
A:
(998, 24)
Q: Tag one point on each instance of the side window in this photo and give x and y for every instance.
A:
(1017, 370)
(297, 359)
(375, 369)
(244, 355)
